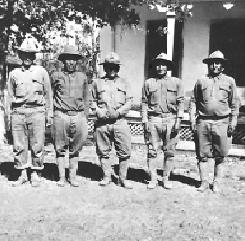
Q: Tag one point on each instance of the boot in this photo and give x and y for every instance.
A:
(153, 173)
(167, 166)
(106, 168)
(35, 179)
(217, 178)
(22, 179)
(123, 174)
(203, 167)
(73, 171)
(61, 167)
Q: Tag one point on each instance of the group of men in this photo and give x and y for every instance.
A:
(63, 100)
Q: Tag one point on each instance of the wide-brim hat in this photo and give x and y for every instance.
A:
(163, 58)
(111, 58)
(70, 50)
(28, 47)
(215, 56)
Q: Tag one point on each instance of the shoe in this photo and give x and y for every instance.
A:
(126, 184)
(105, 182)
(61, 182)
(74, 183)
(166, 183)
(216, 187)
(204, 186)
(152, 184)
(21, 180)
(35, 180)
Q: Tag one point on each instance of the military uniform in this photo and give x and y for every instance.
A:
(213, 107)
(70, 117)
(112, 101)
(162, 103)
(30, 98)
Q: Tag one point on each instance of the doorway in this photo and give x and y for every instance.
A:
(156, 42)
(228, 36)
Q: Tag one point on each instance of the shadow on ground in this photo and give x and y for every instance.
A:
(93, 172)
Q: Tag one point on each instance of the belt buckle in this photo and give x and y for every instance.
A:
(72, 113)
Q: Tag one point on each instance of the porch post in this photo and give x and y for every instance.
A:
(170, 34)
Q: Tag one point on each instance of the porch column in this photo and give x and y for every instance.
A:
(170, 35)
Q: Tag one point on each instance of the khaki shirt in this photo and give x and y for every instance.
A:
(112, 94)
(214, 96)
(165, 95)
(70, 91)
(30, 88)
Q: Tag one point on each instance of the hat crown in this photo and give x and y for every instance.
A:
(216, 55)
(163, 56)
(28, 46)
(112, 58)
(70, 49)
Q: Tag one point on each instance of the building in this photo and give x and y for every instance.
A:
(211, 27)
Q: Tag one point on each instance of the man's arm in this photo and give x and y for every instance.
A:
(192, 108)
(48, 95)
(124, 109)
(233, 104)
(145, 95)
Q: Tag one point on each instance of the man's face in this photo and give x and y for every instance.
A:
(70, 64)
(111, 70)
(161, 69)
(27, 58)
(215, 68)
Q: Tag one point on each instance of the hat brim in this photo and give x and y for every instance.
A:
(211, 60)
(167, 62)
(28, 51)
(106, 63)
(64, 56)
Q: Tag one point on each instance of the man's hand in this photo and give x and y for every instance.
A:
(49, 120)
(231, 127)
(176, 127)
(114, 114)
(146, 131)
(193, 126)
(101, 113)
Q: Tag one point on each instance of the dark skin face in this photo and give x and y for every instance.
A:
(215, 68)
(70, 64)
(27, 59)
(161, 69)
(111, 70)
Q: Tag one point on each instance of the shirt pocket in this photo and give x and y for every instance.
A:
(171, 95)
(154, 95)
(102, 96)
(20, 88)
(224, 93)
(37, 84)
(121, 95)
(205, 93)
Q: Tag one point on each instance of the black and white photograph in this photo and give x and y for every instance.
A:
(122, 120)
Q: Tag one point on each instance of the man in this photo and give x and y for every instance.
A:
(112, 101)
(70, 113)
(214, 108)
(30, 100)
(162, 110)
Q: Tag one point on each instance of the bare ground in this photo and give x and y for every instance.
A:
(92, 213)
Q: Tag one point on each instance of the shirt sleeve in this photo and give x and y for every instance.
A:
(86, 95)
(234, 100)
(124, 109)
(180, 99)
(145, 95)
(48, 95)
(192, 105)
(11, 96)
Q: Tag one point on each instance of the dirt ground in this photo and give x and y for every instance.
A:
(91, 212)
